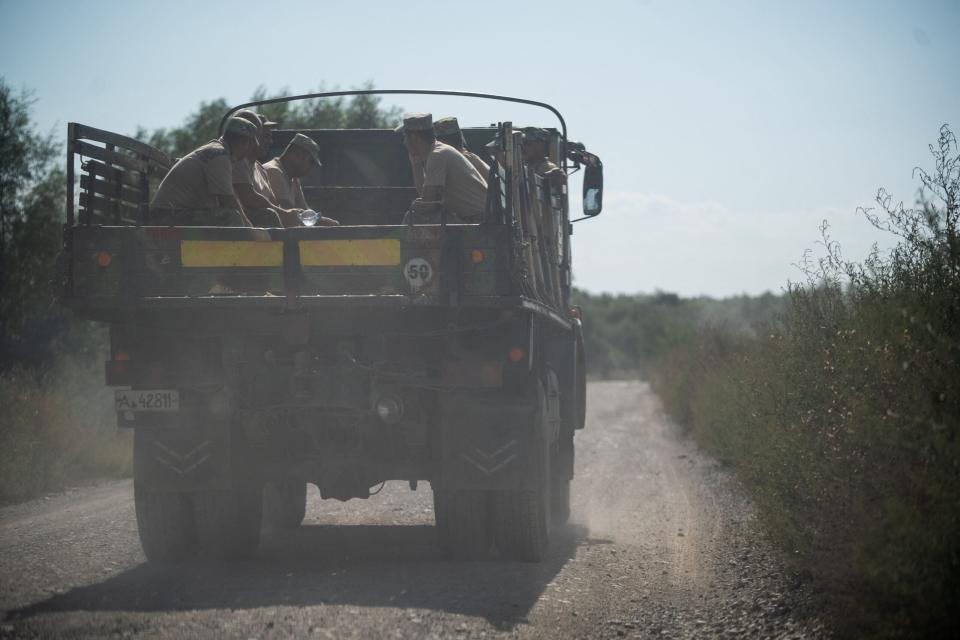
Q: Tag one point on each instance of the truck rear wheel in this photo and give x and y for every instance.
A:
(228, 522)
(463, 523)
(561, 473)
(521, 518)
(165, 525)
(284, 503)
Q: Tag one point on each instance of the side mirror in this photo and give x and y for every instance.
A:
(593, 187)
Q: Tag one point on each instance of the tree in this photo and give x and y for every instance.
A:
(32, 193)
(359, 112)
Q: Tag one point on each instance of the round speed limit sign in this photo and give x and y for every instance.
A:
(418, 273)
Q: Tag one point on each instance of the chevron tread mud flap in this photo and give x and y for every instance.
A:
(486, 441)
(186, 455)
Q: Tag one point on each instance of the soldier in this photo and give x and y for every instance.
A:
(449, 181)
(264, 140)
(546, 227)
(256, 199)
(534, 150)
(201, 183)
(284, 173)
(448, 132)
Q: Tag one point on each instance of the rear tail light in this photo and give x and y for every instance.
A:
(117, 373)
(104, 259)
(516, 354)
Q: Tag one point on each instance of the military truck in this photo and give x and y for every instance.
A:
(251, 362)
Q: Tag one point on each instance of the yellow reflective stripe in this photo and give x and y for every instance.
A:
(231, 253)
(383, 252)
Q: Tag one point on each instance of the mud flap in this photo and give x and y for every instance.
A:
(184, 455)
(487, 441)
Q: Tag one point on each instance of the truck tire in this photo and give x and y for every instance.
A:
(284, 504)
(228, 522)
(521, 518)
(463, 523)
(580, 386)
(165, 525)
(440, 518)
(561, 469)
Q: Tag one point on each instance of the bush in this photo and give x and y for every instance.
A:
(842, 417)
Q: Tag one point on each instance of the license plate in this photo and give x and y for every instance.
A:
(153, 400)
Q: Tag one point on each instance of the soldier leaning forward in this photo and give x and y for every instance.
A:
(448, 132)
(450, 183)
(285, 171)
(198, 190)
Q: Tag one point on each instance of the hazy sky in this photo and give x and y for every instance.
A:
(728, 130)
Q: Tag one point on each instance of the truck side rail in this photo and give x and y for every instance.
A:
(117, 176)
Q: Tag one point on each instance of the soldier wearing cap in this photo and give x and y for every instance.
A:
(534, 151)
(264, 141)
(449, 181)
(285, 171)
(546, 223)
(253, 189)
(200, 185)
(448, 132)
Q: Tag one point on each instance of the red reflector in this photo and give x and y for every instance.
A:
(117, 373)
(516, 354)
(476, 256)
(122, 355)
(104, 259)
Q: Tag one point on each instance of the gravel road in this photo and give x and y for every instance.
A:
(662, 544)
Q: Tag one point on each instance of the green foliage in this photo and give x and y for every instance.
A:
(33, 327)
(200, 127)
(843, 416)
(357, 112)
(628, 335)
(49, 434)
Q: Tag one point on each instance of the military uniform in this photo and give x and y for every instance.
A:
(546, 226)
(451, 127)
(464, 189)
(254, 174)
(482, 167)
(197, 180)
(287, 191)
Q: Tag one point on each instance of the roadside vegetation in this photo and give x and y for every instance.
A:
(57, 425)
(840, 412)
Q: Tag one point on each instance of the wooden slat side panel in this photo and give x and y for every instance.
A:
(112, 174)
(99, 135)
(111, 190)
(111, 157)
(107, 207)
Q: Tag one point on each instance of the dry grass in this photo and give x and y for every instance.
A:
(57, 428)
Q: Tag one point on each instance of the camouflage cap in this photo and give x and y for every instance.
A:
(307, 144)
(416, 122)
(446, 126)
(250, 116)
(536, 133)
(241, 127)
(267, 122)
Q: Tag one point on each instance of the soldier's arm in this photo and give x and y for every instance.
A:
(432, 194)
(231, 202)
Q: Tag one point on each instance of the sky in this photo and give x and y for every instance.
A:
(729, 131)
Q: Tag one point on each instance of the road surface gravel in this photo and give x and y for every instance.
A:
(662, 544)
